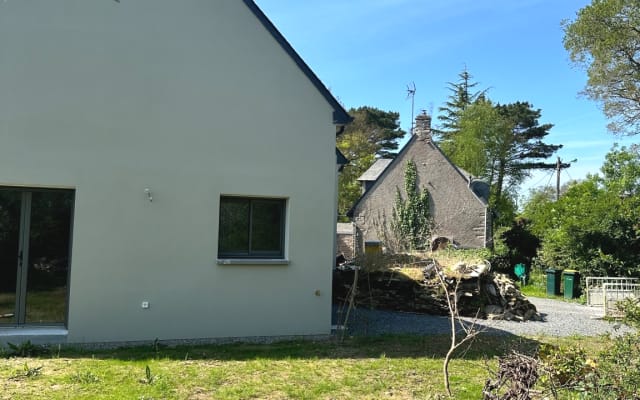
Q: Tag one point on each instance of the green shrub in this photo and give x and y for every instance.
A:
(565, 366)
(26, 349)
(613, 373)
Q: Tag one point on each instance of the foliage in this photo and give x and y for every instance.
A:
(461, 96)
(577, 368)
(621, 171)
(631, 312)
(26, 349)
(412, 216)
(604, 39)
(539, 204)
(522, 149)
(613, 373)
(566, 365)
(372, 133)
(501, 144)
(477, 122)
(593, 227)
(618, 369)
(517, 244)
(504, 209)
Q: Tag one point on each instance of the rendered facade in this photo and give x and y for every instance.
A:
(146, 180)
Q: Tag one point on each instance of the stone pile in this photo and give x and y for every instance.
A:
(388, 290)
(505, 301)
(480, 292)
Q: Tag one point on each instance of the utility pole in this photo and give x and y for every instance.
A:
(559, 167)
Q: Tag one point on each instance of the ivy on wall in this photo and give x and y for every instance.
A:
(412, 215)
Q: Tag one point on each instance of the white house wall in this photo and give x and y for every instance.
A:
(191, 99)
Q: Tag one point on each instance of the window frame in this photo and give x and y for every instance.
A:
(252, 256)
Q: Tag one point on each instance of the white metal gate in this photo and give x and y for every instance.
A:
(616, 292)
(595, 287)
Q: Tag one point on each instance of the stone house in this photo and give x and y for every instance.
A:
(459, 202)
(146, 180)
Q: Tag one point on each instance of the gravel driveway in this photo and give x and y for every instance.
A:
(559, 319)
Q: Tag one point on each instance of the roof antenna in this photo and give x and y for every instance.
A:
(411, 93)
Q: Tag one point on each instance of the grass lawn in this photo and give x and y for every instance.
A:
(404, 367)
(398, 367)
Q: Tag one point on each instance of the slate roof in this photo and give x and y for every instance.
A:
(345, 228)
(375, 170)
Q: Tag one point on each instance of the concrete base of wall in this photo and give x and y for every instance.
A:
(58, 336)
(35, 335)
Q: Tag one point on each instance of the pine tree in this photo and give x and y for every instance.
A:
(461, 96)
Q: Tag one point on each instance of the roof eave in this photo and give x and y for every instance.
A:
(340, 115)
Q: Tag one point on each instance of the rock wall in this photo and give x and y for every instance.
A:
(489, 295)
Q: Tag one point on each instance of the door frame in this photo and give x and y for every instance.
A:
(22, 263)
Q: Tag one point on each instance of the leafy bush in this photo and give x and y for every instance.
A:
(618, 371)
(631, 310)
(26, 349)
(614, 373)
(565, 366)
(514, 245)
(593, 227)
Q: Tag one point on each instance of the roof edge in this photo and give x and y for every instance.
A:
(466, 178)
(403, 150)
(397, 157)
(340, 115)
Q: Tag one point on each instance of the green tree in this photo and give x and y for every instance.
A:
(411, 215)
(594, 227)
(540, 204)
(461, 95)
(605, 40)
(522, 150)
(468, 148)
(373, 133)
(522, 245)
(501, 144)
(621, 171)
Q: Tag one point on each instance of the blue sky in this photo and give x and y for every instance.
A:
(367, 52)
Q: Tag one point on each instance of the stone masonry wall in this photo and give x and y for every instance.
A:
(458, 214)
(345, 245)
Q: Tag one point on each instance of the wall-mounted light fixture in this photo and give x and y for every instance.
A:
(149, 196)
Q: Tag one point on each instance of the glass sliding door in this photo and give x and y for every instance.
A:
(48, 262)
(38, 259)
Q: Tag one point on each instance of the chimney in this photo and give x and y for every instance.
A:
(422, 128)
